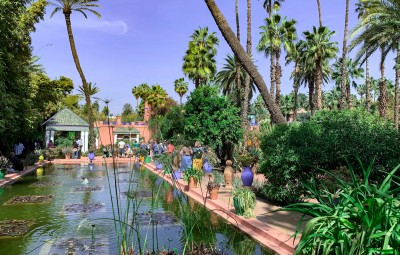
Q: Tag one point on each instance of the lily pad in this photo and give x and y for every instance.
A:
(160, 218)
(73, 246)
(14, 227)
(29, 199)
(83, 208)
(41, 184)
(138, 193)
(87, 188)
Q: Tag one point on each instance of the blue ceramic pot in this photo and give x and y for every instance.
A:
(177, 175)
(247, 176)
(207, 167)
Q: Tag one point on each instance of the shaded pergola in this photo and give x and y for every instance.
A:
(66, 120)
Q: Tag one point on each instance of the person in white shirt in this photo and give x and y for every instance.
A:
(19, 149)
(121, 146)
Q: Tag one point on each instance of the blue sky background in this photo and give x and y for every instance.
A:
(144, 41)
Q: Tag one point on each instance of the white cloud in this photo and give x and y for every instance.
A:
(116, 27)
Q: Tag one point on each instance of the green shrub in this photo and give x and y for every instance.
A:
(360, 218)
(292, 152)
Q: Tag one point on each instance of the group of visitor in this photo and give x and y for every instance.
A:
(188, 155)
(77, 148)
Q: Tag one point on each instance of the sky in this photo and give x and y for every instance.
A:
(144, 41)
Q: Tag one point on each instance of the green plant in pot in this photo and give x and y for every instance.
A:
(4, 165)
(214, 185)
(244, 200)
(67, 151)
(192, 177)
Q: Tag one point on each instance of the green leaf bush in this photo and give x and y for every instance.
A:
(360, 218)
(292, 152)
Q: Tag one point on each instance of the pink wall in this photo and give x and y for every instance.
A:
(104, 131)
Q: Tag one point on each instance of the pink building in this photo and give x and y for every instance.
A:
(117, 130)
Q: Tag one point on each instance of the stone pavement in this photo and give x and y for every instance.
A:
(12, 177)
(271, 229)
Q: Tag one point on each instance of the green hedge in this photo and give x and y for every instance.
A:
(329, 140)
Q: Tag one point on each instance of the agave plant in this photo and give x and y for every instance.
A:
(361, 217)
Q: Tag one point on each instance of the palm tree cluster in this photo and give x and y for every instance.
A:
(155, 96)
(199, 62)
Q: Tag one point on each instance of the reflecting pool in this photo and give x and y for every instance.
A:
(67, 209)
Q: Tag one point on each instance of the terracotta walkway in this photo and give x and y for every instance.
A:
(12, 177)
(272, 229)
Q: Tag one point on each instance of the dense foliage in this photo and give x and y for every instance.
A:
(17, 20)
(212, 119)
(360, 218)
(292, 152)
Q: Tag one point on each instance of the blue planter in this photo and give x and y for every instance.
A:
(177, 175)
(207, 167)
(247, 176)
(159, 166)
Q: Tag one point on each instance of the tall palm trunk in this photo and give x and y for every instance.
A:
(92, 139)
(238, 69)
(396, 90)
(345, 88)
(367, 86)
(245, 60)
(272, 74)
(296, 89)
(278, 76)
(180, 99)
(319, 13)
(382, 87)
(247, 79)
(318, 84)
(311, 96)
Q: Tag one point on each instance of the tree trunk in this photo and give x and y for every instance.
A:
(382, 88)
(318, 84)
(311, 96)
(344, 87)
(278, 75)
(247, 79)
(238, 68)
(180, 99)
(319, 13)
(245, 60)
(92, 138)
(272, 74)
(296, 89)
(367, 86)
(396, 91)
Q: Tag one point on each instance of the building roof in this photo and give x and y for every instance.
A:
(66, 120)
(125, 130)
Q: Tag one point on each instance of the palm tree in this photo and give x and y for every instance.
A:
(295, 54)
(354, 71)
(320, 49)
(181, 87)
(273, 35)
(67, 7)
(156, 96)
(319, 13)
(247, 80)
(343, 86)
(379, 26)
(136, 94)
(245, 60)
(144, 91)
(332, 98)
(199, 61)
(270, 5)
(286, 105)
(227, 81)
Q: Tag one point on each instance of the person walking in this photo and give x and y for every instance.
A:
(19, 149)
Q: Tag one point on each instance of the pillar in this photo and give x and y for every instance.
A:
(85, 140)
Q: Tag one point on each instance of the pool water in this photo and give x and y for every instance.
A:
(153, 215)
